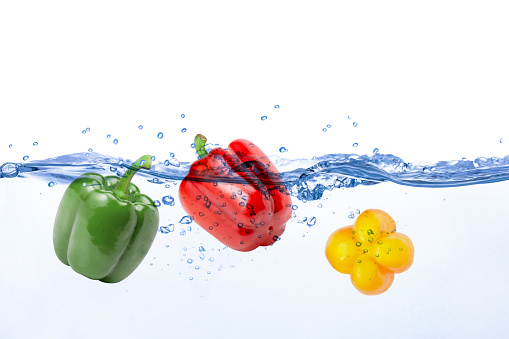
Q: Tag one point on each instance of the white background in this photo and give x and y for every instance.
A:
(425, 81)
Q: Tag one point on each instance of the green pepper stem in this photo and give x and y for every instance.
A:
(199, 143)
(121, 190)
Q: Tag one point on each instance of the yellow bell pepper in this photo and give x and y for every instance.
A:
(371, 251)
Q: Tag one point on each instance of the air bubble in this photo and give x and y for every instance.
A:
(355, 144)
(157, 203)
(183, 130)
(190, 261)
(153, 158)
(166, 162)
(108, 136)
(140, 127)
(10, 145)
(51, 184)
(375, 151)
(115, 141)
(283, 150)
(168, 200)
(311, 222)
(160, 135)
(182, 116)
(355, 124)
(264, 118)
(328, 126)
(324, 130)
(84, 131)
(186, 220)
(90, 150)
(276, 106)
(25, 157)
(88, 129)
(36, 143)
(501, 140)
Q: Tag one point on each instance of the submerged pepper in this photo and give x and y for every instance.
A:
(104, 226)
(237, 195)
(370, 251)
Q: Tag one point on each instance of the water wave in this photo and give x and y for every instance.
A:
(306, 179)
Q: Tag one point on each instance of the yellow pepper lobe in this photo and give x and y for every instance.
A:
(395, 252)
(372, 224)
(370, 278)
(341, 250)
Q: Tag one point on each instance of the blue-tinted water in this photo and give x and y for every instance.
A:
(306, 179)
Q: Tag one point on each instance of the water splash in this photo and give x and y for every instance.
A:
(306, 179)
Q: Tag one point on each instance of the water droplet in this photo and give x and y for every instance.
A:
(264, 118)
(36, 143)
(164, 229)
(142, 162)
(355, 144)
(182, 116)
(380, 242)
(108, 136)
(355, 124)
(359, 261)
(88, 129)
(172, 154)
(190, 261)
(51, 183)
(153, 158)
(319, 206)
(211, 259)
(375, 151)
(140, 127)
(174, 162)
(25, 157)
(166, 162)
(358, 244)
(501, 140)
(312, 222)
(84, 131)
(86, 154)
(325, 129)
(349, 117)
(167, 200)
(295, 207)
(283, 150)
(186, 220)
(183, 130)
(160, 135)
(276, 106)
(90, 150)
(193, 145)
(115, 141)
(328, 126)
(157, 203)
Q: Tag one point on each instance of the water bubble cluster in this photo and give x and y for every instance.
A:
(168, 200)
(186, 220)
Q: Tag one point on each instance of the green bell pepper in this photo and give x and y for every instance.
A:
(104, 226)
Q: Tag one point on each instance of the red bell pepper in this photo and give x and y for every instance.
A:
(237, 195)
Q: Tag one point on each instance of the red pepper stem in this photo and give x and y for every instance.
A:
(121, 190)
(199, 144)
